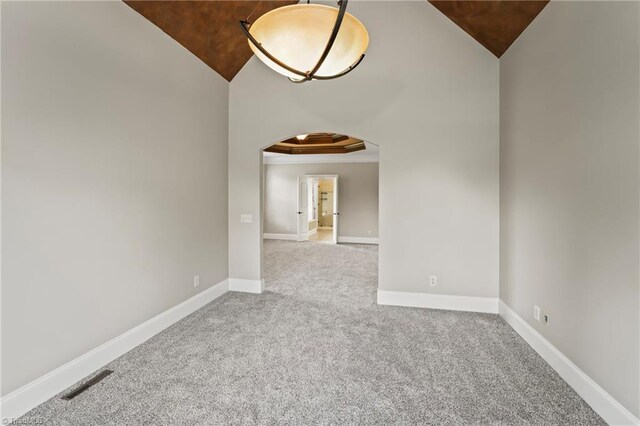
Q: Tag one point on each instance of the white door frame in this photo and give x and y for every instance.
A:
(302, 215)
(336, 211)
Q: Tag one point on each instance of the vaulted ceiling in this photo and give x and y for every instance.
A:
(210, 30)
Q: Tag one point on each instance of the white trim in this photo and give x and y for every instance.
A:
(602, 403)
(291, 237)
(246, 286)
(311, 175)
(325, 227)
(370, 155)
(312, 231)
(40, 390)
(438, 301)
(322, 159)
(358, 240)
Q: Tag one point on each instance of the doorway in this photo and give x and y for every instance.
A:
(318, 212)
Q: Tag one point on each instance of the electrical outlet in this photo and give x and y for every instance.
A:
(369, 232)
(288, 228)
(246, 218)
(196, 281)
(536, 312)
(433, 280)
(546, 319)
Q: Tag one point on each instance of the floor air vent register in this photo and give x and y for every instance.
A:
(87, 385)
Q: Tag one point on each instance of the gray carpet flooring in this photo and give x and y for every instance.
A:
(316, 349)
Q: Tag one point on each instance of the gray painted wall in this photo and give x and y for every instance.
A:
(357, 197)
(570, 186)
(114, 179)
(434, 115)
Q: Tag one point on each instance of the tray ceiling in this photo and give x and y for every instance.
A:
(210, 30)
(318, 143)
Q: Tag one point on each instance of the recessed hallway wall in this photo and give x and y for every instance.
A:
(435, 117)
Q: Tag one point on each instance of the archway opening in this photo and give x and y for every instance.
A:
(320, 203)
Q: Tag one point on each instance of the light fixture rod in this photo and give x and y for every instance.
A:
(332, 38)
(309, 75)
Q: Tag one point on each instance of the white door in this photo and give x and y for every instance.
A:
(336, 211)
(303, 222)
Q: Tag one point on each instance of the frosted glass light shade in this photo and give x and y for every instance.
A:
(297, 35)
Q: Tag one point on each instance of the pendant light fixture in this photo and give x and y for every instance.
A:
(308, 41)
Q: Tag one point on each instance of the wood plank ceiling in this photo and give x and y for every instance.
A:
(210, 30)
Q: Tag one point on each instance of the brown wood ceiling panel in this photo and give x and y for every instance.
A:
(208, 29)
(318, 143)
(495, 24)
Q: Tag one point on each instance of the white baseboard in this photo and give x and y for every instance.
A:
(438, 301)
(602, 403)
(325, 227)
(343, 240)
(358, 240)
(35, 393)
(291, 237)
(246, 286)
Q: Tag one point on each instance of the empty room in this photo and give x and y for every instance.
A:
(352, 212)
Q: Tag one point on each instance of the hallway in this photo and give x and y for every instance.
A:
(323, 236)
